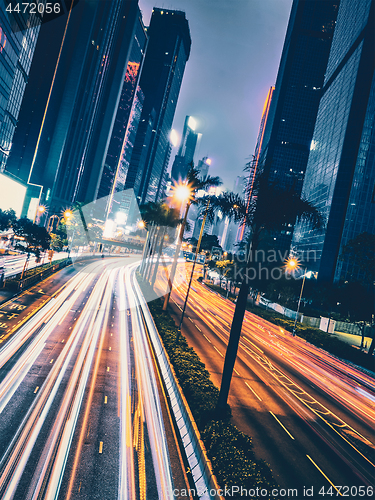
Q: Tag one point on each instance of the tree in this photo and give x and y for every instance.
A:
(7, 218)
(32, 238)
(195, 183)
(166, 219)
(269, 208)
(209, 241)
(223, 268)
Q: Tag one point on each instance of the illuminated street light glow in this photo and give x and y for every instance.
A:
(41, 208)
(67, 214)
(181, 192)
(292, 263)
(208, 161)
(141, 224)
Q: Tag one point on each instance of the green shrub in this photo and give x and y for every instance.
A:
(233, 458)
(229, 450)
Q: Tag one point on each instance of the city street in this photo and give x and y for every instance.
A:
(81, 411)
(311, 416)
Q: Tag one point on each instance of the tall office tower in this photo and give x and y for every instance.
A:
(128, 114)
(252, 166)
(186, 151)
(232, 229)
(84, 58)
(203, 166)
(195, 216)
(18, 36)
(167, 52)
(298, 89)
(340, 174)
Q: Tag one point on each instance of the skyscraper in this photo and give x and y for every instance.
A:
(340, 174)
(167, 52)
(116, 164)
(295, 100)
(18, 36)
(253, 165)
(86, 65)
(186, 151)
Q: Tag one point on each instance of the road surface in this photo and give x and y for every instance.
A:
(311, 415)
(81, 411)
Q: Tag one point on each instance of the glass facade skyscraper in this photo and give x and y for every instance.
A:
(295, 100)
(186, 150)
(80, 61)
(340, 175)
(128, 114)
(18, 37)
(167, 52)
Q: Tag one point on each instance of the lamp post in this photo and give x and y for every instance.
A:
(181, 192)
(292, 264)
(192, 271)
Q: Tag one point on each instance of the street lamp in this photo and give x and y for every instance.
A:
(68, 214)
(182, 192)
(192, 271)
(293, 264)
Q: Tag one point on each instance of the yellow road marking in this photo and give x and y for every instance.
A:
(252, 390)
(285, 429)
(320, 470)
(216, 349)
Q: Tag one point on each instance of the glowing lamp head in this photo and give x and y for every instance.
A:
(192, 123)
(141, 224)
(182, 192)
(41, 209)
(68, 214)
(208, 161)
(292, 263)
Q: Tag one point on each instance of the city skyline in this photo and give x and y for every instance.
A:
(235, 54)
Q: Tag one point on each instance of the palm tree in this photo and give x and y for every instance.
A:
(195, 183)
(159, 218)
(269, 208)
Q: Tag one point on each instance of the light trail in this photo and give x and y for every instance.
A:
(344, 384)
(65, 396)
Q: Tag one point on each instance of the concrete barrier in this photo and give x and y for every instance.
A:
(195, 452)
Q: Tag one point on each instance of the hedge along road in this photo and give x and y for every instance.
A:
(285, 393)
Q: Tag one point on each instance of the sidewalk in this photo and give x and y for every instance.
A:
(354, 340)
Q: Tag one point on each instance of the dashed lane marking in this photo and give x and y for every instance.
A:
(252, 390)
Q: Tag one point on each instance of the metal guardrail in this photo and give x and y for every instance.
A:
(205, 482)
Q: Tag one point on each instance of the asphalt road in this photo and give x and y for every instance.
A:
(82, 414)
(311, 416)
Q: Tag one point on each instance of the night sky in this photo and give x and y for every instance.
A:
(234, 59)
